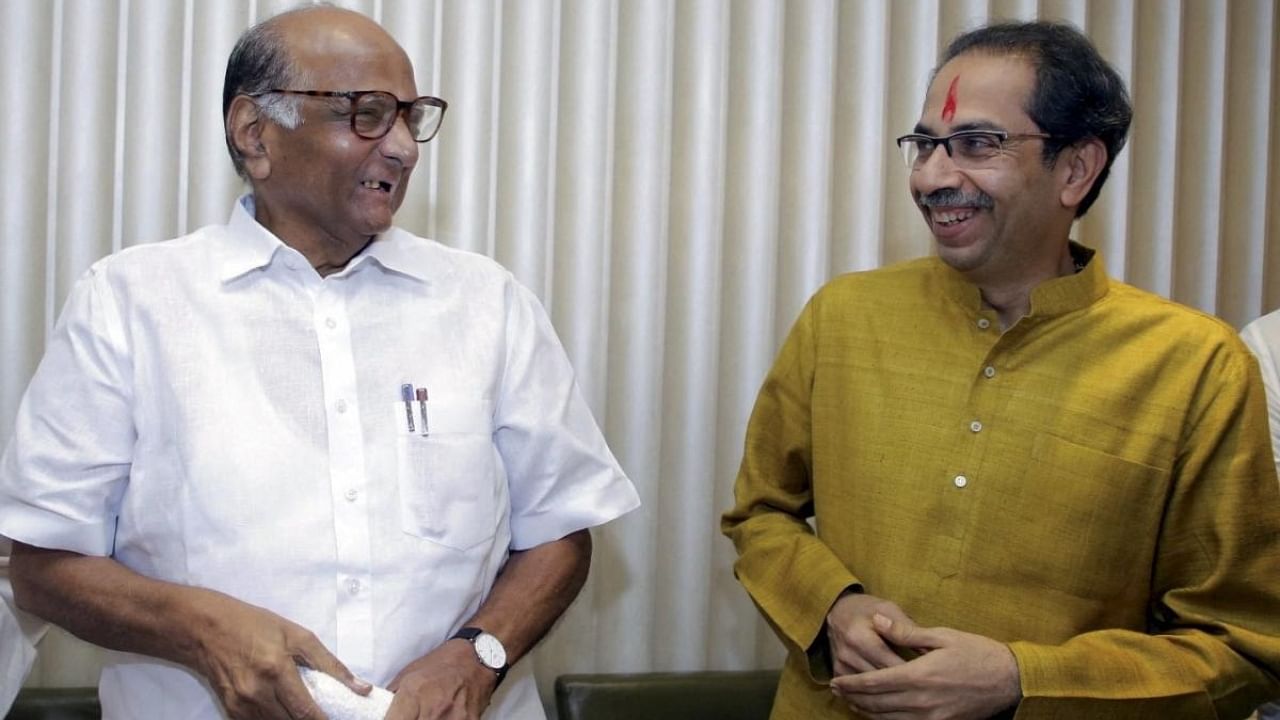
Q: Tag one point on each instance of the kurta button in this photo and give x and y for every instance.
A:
(983, 323)
(341, 405)
(351, 494)
(989, 371)
(353, 586)
(330, 323)
(961, 481)
(975, 426)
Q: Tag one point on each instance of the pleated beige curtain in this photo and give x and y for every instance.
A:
(672, 177)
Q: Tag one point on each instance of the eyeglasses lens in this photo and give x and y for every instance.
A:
(376, 112)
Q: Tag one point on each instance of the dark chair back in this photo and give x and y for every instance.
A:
(731, 695)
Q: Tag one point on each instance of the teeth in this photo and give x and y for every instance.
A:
(372, 184)
(950, 217)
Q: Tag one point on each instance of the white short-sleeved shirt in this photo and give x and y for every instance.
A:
(212, 412)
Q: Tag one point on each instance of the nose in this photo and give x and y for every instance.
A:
(398, 143)
(936, 172)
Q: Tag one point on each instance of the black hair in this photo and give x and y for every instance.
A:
(1077, 93)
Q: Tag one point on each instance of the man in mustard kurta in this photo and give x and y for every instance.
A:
(1035, 491)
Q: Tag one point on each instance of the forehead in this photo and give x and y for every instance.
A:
(975, 90)
(341, 52)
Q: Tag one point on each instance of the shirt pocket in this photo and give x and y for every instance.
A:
(448, 477)
(1089, 520)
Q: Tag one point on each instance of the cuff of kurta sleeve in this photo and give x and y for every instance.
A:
(1059, 684)
(810, 595)
(819, 653)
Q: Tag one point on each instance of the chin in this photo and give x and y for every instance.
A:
(964, 259)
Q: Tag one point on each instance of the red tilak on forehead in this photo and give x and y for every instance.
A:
(949, 107)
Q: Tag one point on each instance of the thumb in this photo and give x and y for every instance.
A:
(902, 633)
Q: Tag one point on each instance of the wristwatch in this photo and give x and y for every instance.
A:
(489, 650)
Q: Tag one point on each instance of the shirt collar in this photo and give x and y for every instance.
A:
(250, 246)
(1057, 296)
(253, 247)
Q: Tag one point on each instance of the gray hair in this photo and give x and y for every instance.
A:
(260, 62)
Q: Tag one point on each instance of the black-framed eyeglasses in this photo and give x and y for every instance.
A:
(968, 148)
(374, 112)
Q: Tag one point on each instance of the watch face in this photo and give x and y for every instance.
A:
(490, 650)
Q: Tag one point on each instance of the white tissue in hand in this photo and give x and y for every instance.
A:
(339, 702)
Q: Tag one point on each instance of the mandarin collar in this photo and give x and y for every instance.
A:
(1056, 296)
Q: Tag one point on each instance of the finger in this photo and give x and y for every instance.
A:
(862, 649)
(876, 682)
(877, 652)
(316, 656)
(295, 700)
(906, 633)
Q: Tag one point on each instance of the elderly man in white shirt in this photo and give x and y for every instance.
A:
(305, 437)
(1263, 338)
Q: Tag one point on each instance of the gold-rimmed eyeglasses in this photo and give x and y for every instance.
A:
(374, 112)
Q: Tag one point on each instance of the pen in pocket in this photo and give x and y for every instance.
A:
(406, 394)
(421, 394)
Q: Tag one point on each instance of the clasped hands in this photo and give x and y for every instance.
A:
(249, 656)
(952, 674)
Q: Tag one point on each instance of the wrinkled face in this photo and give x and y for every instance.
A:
(324, 178)
(989, 221)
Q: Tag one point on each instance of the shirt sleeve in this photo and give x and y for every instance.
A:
(786, 569)
(1214, 641)
(561, 474)
(19, 633)
(66, 466)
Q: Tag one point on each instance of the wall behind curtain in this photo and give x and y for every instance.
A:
(673, 178)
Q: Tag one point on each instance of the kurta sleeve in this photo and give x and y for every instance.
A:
(786, 569)
(1213, 644)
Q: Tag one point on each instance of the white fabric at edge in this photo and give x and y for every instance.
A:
(19, 633)
(338, 701)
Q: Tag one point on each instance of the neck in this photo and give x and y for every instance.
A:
(327, 253)
(1011, 297)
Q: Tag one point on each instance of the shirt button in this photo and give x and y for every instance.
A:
(983, 323)
(341, 405)
(351, 494)
(353, 586)
(961, 481)
(330, 323)
(989, 371)
(975, 426)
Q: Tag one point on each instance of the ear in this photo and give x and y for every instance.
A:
(1083, 162)
(245, 128)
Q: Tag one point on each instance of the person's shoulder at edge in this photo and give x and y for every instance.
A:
(1187, 326)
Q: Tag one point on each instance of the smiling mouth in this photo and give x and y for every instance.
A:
(376, 185)
(947, 218)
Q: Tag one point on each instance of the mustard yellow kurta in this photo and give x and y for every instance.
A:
(1092, 486)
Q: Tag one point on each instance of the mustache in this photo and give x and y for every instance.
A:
(951, 197)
